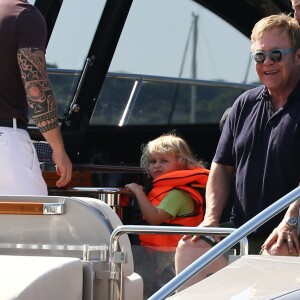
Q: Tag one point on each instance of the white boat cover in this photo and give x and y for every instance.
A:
(40, 278)
(250, 277)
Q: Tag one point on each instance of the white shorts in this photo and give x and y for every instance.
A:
(20, 169)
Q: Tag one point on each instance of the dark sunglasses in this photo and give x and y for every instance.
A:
(275, 55)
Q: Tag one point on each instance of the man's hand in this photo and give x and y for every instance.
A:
(281, 234)
(63, 167)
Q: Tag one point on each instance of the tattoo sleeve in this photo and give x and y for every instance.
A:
(39, 93)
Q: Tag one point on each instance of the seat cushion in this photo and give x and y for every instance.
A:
(43, 278)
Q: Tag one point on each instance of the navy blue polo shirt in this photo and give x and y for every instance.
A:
(264, 147)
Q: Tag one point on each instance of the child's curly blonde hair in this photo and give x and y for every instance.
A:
(169, 143)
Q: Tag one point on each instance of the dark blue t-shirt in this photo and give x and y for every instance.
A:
(264, 147)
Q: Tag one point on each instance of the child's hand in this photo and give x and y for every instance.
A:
(134, 188)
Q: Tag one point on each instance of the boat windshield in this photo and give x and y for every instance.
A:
(161, 38)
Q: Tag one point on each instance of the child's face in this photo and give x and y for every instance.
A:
(296, 7)
(163, 163)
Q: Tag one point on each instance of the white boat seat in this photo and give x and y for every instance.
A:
(34, 277)
(86, 223)
(133, 287)
(115, 222)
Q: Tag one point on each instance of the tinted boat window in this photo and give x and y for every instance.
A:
(113, 100)
(170, 38)
(150, 100)
(69, 45)
(174, 38)
(169, 103)
(159, 39)
(73, 33)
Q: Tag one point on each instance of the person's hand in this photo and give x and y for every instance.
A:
(63, 167)
(134, 188)
(204, 223)
(283, 234)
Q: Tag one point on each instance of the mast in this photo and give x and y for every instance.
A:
(194, 67)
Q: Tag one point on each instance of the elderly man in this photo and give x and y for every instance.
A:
(284, 238)
(258, 154)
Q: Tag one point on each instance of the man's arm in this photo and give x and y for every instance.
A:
(41, 102)
(217, 192)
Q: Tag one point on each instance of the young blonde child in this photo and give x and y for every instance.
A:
(174, 199)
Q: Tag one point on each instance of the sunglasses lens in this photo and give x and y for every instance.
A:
(275, 55)
(259, 57)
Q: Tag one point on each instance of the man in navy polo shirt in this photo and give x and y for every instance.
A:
(259, 149)
(284, 240)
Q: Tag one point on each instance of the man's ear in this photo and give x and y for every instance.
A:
(298, 56)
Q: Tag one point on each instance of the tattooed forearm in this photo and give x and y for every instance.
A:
(37, 86)
(47, 121)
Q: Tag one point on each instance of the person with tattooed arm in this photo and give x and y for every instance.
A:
(24, 86)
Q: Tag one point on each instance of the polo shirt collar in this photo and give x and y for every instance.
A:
(264, 94)
(295, 95)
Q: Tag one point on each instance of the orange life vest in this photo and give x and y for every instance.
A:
(186, 180)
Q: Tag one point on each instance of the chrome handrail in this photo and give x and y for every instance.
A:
(136, 229)
(226, 244)
(147, 229)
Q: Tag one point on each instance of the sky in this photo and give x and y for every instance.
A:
(154, 40)
(217, 43)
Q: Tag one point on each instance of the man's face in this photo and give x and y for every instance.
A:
(275, 75)
(296, 7)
